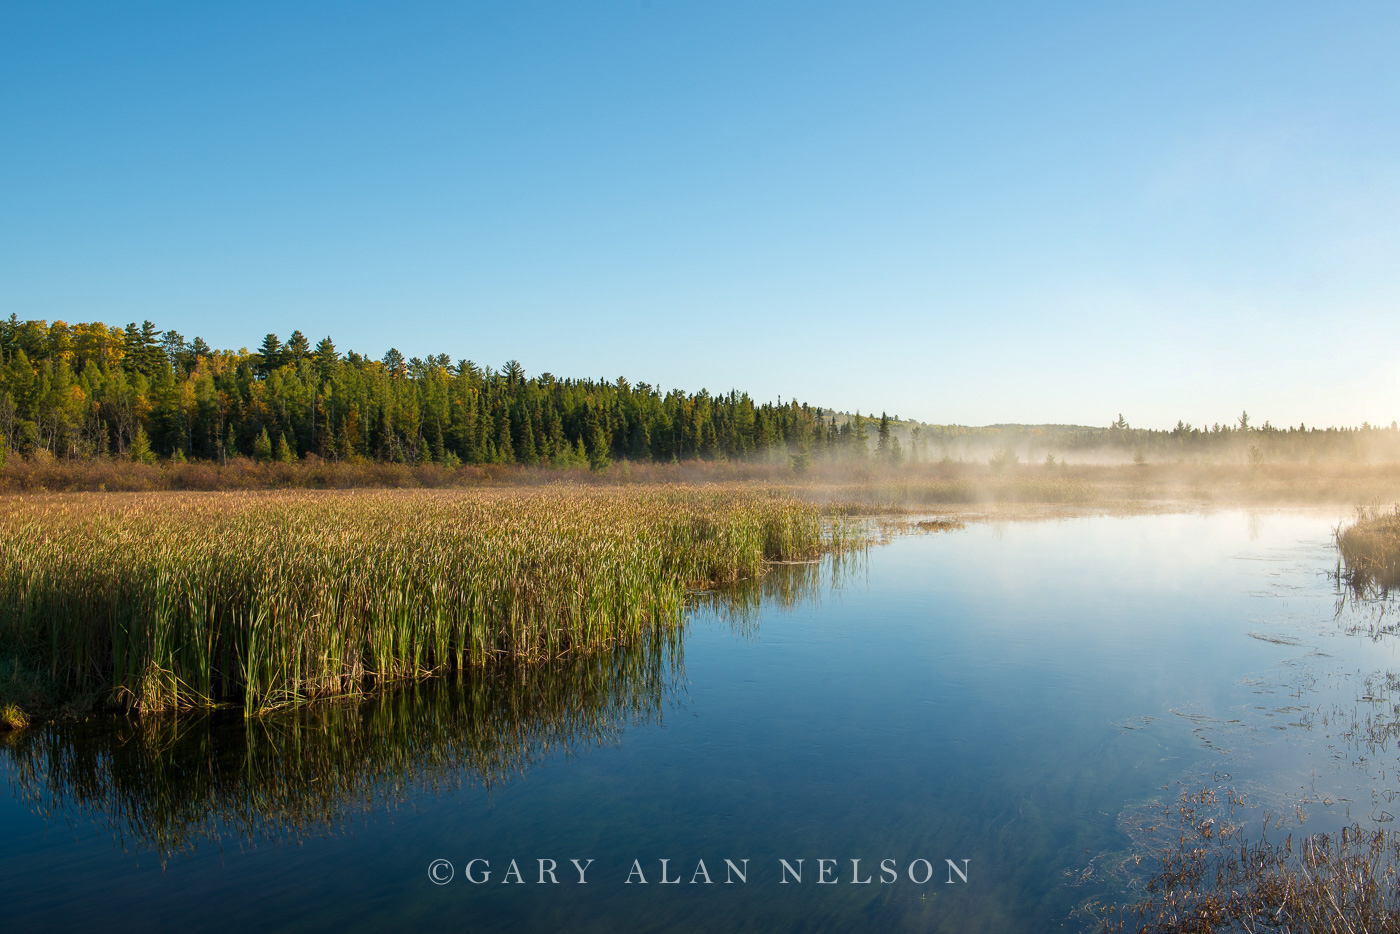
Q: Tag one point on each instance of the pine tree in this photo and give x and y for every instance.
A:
(297, 347)
(269, 356)
(136, 358)
(176, 350)
(326, 358)
(284, 451)
(393, 362)
(151, 356)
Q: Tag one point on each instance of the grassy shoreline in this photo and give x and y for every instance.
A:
(187, 600)
(909, 485)
(1369, 549)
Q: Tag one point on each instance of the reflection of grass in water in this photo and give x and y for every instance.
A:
(165, 783)
(785, 585)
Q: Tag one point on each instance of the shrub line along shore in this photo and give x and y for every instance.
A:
(911, 484)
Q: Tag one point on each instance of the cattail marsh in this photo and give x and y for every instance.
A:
(184, 600)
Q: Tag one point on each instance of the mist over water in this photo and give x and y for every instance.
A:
(1022, 695)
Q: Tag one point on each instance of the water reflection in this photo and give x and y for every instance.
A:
(1035, 702)
(787, 585)
(169, 783)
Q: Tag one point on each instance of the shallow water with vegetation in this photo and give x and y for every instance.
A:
(1024, 699)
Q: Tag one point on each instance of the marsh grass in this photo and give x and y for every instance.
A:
(13, 717)
(940, 525)
(185, 600)
(1369, 550)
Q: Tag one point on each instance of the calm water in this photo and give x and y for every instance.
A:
(1018, 696)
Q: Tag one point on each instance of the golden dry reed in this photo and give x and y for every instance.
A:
(1370, 550)
(184, 600)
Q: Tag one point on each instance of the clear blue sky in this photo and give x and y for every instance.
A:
(957, 212)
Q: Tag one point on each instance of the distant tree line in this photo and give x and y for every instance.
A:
(1239, 440)
(89, 390)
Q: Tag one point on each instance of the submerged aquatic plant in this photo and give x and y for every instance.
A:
(182, 600)
(1210, 878)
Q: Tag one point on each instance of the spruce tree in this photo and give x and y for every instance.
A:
(527, 453)
(505, 451)
(141, 447)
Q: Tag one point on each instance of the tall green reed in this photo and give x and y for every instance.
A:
(185, 600)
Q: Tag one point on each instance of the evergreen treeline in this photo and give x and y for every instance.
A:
(89, 390)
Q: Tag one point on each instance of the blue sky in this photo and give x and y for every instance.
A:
(966, 213)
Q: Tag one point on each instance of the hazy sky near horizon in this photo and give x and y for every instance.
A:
(957, 212)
